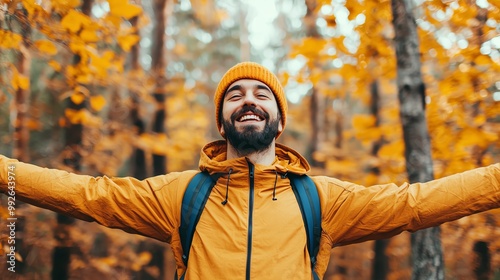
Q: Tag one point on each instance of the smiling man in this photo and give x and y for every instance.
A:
(251, 226)
(251, 120)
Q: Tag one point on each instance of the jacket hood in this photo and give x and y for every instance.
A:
(213, 159)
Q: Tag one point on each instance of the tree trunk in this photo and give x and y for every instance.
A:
(482, 264)
(427, 256)
(380, 261)
(475, 43)
(73, 133)
(159, 72)
(155, 269)
(315, 108)
(139, 156)
(20, 112)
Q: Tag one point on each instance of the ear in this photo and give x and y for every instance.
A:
(280, 127)
(221, 130)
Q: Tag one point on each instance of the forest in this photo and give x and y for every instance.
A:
(125, 88)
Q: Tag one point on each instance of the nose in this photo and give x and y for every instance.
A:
(249, 98)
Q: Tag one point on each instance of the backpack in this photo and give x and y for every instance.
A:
(201, 185)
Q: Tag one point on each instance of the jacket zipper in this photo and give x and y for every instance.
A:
(250, 219)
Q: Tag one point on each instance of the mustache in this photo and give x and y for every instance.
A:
(247, 109)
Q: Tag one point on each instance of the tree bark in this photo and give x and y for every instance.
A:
(73, 134)
(159, 72)
(380, 267)
(21, 131)
(315, 108)
(427, 256)
(158, 68)
(138, 158)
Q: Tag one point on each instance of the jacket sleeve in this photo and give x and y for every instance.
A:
(353, 213)
(146, 207)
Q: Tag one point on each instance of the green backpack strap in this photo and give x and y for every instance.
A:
(198, 191)
(308, 198)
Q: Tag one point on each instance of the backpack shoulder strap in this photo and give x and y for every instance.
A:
(193, 203)
(308, 198)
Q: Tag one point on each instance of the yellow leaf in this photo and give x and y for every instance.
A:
(77, 98)
(128, 41)
(483, 60)
(360, 122)
(19, 81)
(393, 149)
(89, 36)
(122, 8)
(55, 65)
(23, 82)
(74, 21)
(97, 102)
(9, 40)
(30, 6)
(62, 6)
(46, 46)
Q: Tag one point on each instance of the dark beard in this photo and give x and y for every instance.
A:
(250, 140)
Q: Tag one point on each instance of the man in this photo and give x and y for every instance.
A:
(251, 227)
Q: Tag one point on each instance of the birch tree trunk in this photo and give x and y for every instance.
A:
(427, 256)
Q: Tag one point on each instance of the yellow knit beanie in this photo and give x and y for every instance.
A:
(255, 71)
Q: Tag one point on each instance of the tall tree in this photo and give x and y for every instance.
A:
(139, 155)
(21, 131)
(427, 256)
(316, 99)
(158, 69)
(380, 261)
(73, 135)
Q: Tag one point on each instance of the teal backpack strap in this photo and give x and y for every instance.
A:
(308, 198)
(193, 203)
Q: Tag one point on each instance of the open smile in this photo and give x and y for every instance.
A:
(249, 117)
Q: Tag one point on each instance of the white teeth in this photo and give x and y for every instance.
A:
(249, 117)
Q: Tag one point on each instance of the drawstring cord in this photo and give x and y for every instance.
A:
(224, 202)
(275, 181)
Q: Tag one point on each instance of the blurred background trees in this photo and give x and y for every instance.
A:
(125, 88)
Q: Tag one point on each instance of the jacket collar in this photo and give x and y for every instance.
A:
(213, 158)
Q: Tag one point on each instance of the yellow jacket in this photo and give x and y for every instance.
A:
(254, 236)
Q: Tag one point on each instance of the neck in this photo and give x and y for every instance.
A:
(265, 157)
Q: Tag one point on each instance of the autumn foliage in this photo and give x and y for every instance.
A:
(52, 52)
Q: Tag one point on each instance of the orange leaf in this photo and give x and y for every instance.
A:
(62, 6)
(55, 65)
(9, 40)
(122, 8)
(74, 21)
(483, 60)
(19, 81)
(30, 6)
(97, 102)
(360, 122)
(89, 36)
(46, 46)
(128, 41)
(77, 98)
(23, 82)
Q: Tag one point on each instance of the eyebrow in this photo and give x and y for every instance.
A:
(239, 87)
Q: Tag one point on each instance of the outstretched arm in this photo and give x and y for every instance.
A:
(142, 207)
(354, 213)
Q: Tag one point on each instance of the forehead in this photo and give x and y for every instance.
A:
(247, 83)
